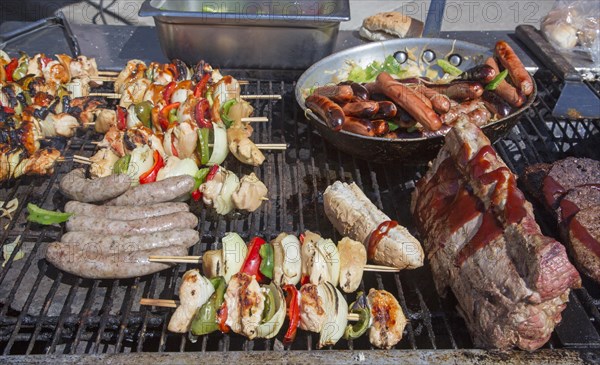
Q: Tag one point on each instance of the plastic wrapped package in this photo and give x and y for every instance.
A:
(574, 26)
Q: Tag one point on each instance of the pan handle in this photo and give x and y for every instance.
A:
(546, 53)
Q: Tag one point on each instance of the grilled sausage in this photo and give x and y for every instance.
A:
(460, 90)
(338, 93)
(480, 116)
(325, 108)
(496, 104)
(125, 213)
(361, 109)
(505, 90)
(380, 127)
(409, 101)
(162, 191)
(387, 110)
(75, 186)
(482, 73)
(462, 108)
(108, 243)
(359, 126)
(92, 265)
(139, 226)
(360, 92)
(439, 102)
(517, 72)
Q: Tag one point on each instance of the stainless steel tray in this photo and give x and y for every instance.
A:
(377, 149)
(239, 34)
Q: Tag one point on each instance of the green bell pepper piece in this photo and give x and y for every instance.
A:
(225, 112)
(46, 217)
(203, 141)
(270, 309)
(122, 165)
(200, 177)
(496, 81)
(266, 262)
(143, 111)
(360, 307)
(205, 319)
(21, 70)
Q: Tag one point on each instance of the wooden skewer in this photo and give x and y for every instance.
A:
(103, 78)
(198, 259)
(266, 146)
(169, 303)
(255, 119)
(247, 97)
(108, 72)
(112, 76)
(83, 158)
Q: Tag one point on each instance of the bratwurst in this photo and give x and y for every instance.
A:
(75, 186)
(179, 220)
(125, 213)
(162, 191)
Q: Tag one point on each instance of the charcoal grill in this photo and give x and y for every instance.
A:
(66, 319)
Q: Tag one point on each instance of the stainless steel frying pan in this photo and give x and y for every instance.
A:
(334, 68)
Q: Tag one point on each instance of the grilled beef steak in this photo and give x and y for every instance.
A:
(480, 235)
(570, 189)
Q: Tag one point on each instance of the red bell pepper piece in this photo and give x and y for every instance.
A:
(213, 171)
(201, 86)
(10, 68)
(173, 70)
(196, 195)
(202, 114)
(293, 312)
(251, 264)
(168, 91)
(173, 149)
(150, 175)
(301, 238)
(222, 318)
(44, 61)
(121, 118)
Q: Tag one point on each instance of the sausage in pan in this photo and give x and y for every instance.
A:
(125, 213)
(75, 186)
(460, 90)
(406, 99)
(361, 109)
(462, 108)
(167, 222)
(480, 116)
(162, 191)
(439, 102)
(359, 126)
(338, 93)
(518, 74)
(387, 110)
(325, 108)
(505, 90)
(495, 104)
(482, 73)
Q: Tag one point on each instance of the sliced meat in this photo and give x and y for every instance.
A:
(584, 236)
(567, 174)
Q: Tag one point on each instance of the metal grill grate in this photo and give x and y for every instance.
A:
(45, 311)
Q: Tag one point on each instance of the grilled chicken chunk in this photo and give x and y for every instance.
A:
(103, 162)
(250, 194)
(388, 319)
(194, 291)
(245, 304)
(133, 71)
(312, 313)
(353, 258)
(241, 146)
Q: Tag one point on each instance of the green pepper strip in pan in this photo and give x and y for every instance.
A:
(266, 264)
(45, 217)
(496, 81)
(361, 307)
(448, 68)
(205, 319)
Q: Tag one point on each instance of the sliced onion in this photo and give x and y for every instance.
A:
(271, 328)
(287, 262)
(223, 203)
(220, 148)
(4, 56)
(234, 252)
(336, 309)
(177, 167)
(180, 95)
(141, 161)
(331, 255)
(132, 119)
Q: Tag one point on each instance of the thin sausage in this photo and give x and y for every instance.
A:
(387, 110)
(338, 93)
(495, 104)
(110, 243)
(359, 126)
(75, 186)
(439, 102)
(361, 109)
(518, 74)
(460, 90)
(406, 99)
(480, 116)
(162, 191)
(125, 213)
(505, 90)
(93, 265)
(381, 127)
(329, 111)
(180, 220)
(360, 92)
(482, 73)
